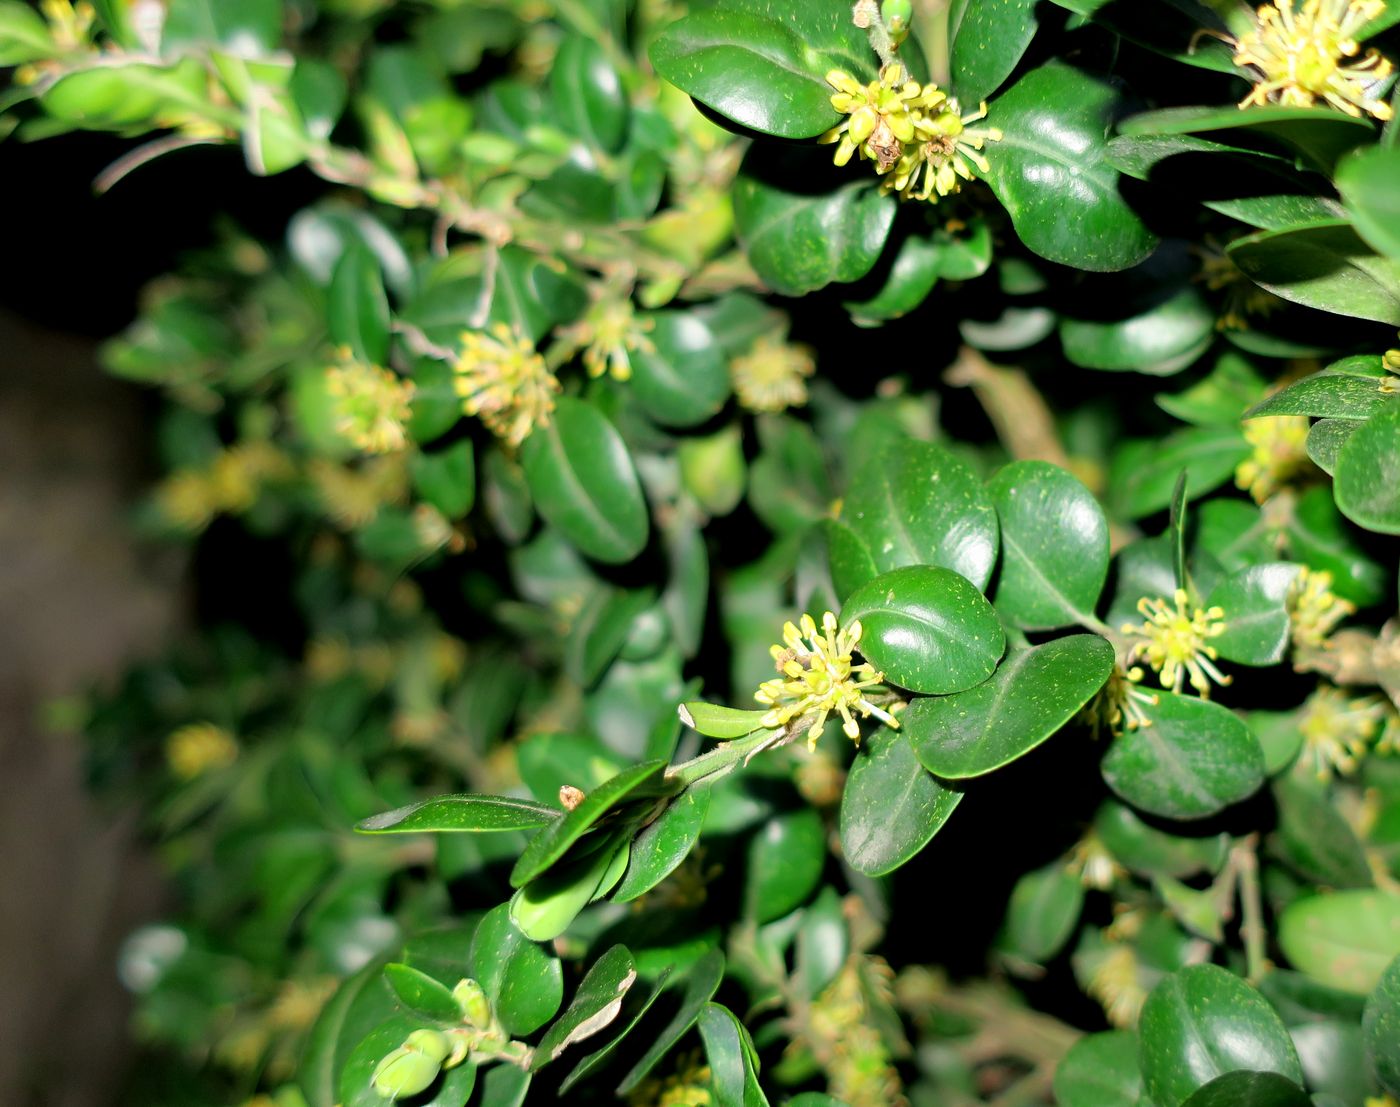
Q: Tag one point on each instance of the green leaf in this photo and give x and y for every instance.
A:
(553, 842)
(127, 95)
(701, 984)
(1202, 1022)
(358, 1005)
(1326, 439)
(988, 38)
(1250, 1089)
(1367, 477)
(785, 862)
(596, 1003)
(636, 1009)
(715, 721)
(1195, 759)
(1042, 913)
(912, 276)
(1162, 340)
(1320, 134)
(1233, 384)
(1144, 472)
(589, 100)
(601, 630)
(914, 503)
(664, 843)
(504, 1086)
(446, 479)
(1054, 540)
(549, 761)
(422, 994)
(803, 229)
(1030, 697)
(469, 813)
(24, 35)
(357, 308)
(891, 807)
(583, 482)
(1315, 838)
(1369, 181)
(1100, 1070)
(1343, 939)
(1152, 852)
(682, 378)
(523, 982)
(763, 65)
(927, 629)
(1255, 602)
(546, 906)
(1051, 173)
(1318, 535)
(1380, 1027)
(1346, 389)
(353, 1086)
(1325, 266)
(733, 1060)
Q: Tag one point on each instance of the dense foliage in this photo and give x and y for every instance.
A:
(838, 555)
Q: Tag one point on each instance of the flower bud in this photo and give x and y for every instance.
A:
(897, 14)
(404, 1072)
(476, 1008)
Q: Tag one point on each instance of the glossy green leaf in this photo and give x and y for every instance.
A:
(891, 807)
(583, 482)
(1202, 1022)
(988, 38)
(1346, 389)
(589, 100)
(1326, 439)
(1054, 540)
(1030, 697)
(664, 843)
(1343, 939)
(1250, 1089)
(504, 1086)
(549, 761)
(927, 629)
(785, 862)
(732, 1057)
(1144, 473)
(715, 721)
(1149, 851)
(680, 378)
(802, 227)
(357, 309)
(1325, 266)
(1320, 537)
(1380, 1028)
(597, 1002)
(545, 907)
(1233, 384)
(421, 993)
(524, 983)
(1320, 133)
(763, 64)
(601, 630)
(1315, 838)
(469, 813)
(1051, 173)
(1195, 759)
(914, 503)
(1367, 180)
(446, 478)
(553, 842)
(1255, 602)
(634, 1010)
(1162, 340)
(912, 276)
(128, 95)
(1367, 476)
(1100, 1070)
(1042, 913)
(702, 981)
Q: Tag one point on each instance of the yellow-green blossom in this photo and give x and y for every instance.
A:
(687, 1086)
(1116, 982)
(936, 162)
(1095, 866)
(1120, 704)
(199, 748)
(352, 496)
(1381, 1101)
(70, 27)
(772, 376)
(1302, 55)
(1279, 454)
(1390, 361)
(609, 334)
(504, 381)
(1313, 609)
(371, 404)
(819, 677)
(1175, 642)
(880, 115)
(230, 482)
(1337, 729)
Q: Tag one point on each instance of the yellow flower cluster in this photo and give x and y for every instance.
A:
(844, 1033)
(71, 27)
(371, 404)
(200, 748)
(1279, 454)
(772, 376)
(1302, 55)
(230, 483)
(919, 138)
(1338, 729)
(609, 334)
(1175, 643)
(819, 677)
(687, 1086)
(504, 381)
(1116, 982)
(1313, 609)
(352, 496)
